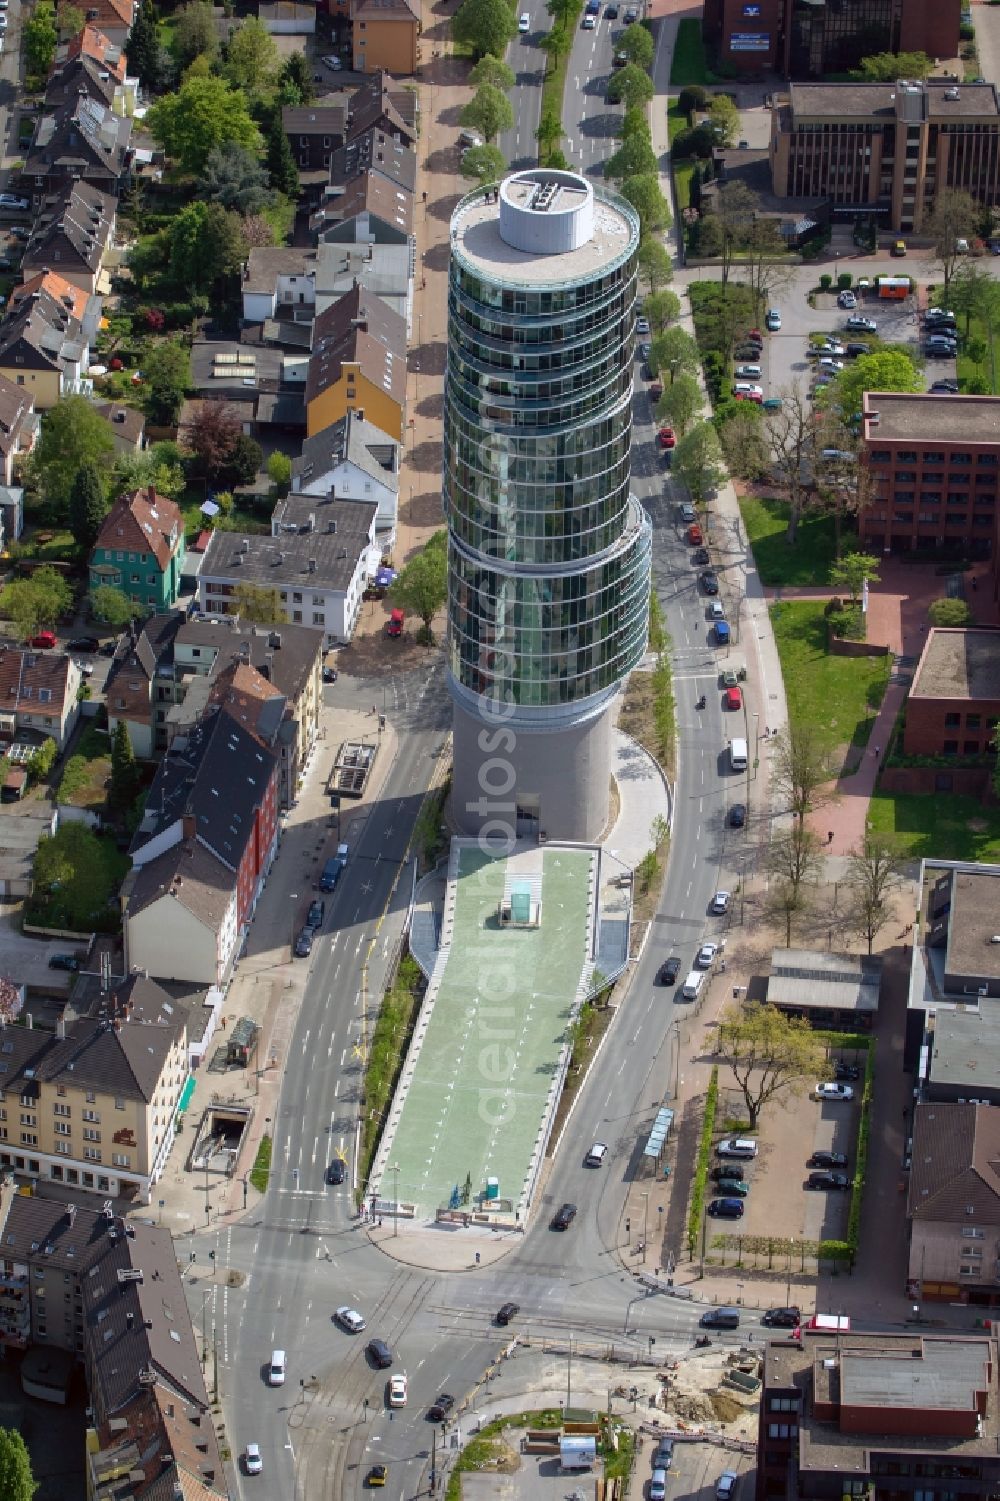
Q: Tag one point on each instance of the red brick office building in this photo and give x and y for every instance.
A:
(954, 704)
(806, 41)
(932, 467)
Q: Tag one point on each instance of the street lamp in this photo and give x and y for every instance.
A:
(293, 898)
(645, 1224)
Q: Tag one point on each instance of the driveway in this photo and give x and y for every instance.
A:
(26, 959)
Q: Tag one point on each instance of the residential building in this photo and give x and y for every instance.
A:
(838, 992)
(879, 1415)
(127, 424)
(72, 235)
(352, 459)
(384, 34)
(44, 348)
(140, 549)
(314, 132)
(886, 149)
(370, 210)
(536, 481)
(158, 667)
(93, 1104)
(953, 1204)
(202, 853)
(378, 151)
(82, 141)
(244, 375)
(113, 17)
(11, 510)
(358, 364)
(38, 694)
(808, 41)
(109, 56)
(931, 465)
(18, 432)
(953, 706)
(279, 281)
(320, 577)
(955, 963)
(960, 1059)
(384, 270)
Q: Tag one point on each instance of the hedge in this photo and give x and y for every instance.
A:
(861, 1160)
(704, 1158)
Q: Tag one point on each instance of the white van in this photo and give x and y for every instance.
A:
(738, 755)
(276, 1373)
(692, 987)
(469, 138)
(748, 372)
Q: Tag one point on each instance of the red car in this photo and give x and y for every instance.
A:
(748, 396)
(394, 625)
(734, 699)
(694, 535)
(665, 438)
(44, 640)
(754, 335)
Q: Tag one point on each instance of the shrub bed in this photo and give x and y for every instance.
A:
(702, 1165)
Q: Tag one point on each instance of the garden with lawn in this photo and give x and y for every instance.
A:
(951, 827)
(803, 563)
(836, 697)
(689, 63)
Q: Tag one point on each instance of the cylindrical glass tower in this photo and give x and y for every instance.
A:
(549, 554)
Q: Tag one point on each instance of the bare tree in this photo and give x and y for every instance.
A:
(792, 432)
(954, 218)
(744, 442)
(873, 873)
(735, 212)
(768, 269)
(793, 859)
(802, 770)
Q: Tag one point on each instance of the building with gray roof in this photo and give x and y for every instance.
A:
(953, 1202)
(961, 1060)
(828, 989)
(352, 459)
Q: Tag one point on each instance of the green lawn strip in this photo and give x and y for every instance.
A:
(387, 1050)
(689, 64)
(704, 1158)
(952, 827)
(981, 372)
(261, 1170)
(554, 84)
(87, 770)
(801, 564)
(837, 697)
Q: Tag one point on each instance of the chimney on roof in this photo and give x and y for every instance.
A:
(188, 826)
(61, 1029)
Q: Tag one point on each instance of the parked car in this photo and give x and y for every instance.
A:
(847, 1072)
(668, 972)
(859, 325)
(831, 1091)
(705, 955)
(827, 1159)
(719, 903)
(731, 1171)
(563, 1217)
(109, 648)
(694, 534)
(737, 1146)
(443, 1404)
(68, 962)
(716, 610)
(945, 388)
(738, 812)
(45, 640)
(304, 944)
(663, 1454)
(316, 914)
(524, 23)
(781, 1318)
(329, 674)
(898, 248)
(773, 319)
(642, 325)
(666, 438)
(84, 644)
(644, 351)
(701, 556)
(11, 201)
(725, 1488)
(856, 350)
(732, 699)
(688, 512)
(726, 1209)
(827, 1180)
(941, 351)
(710, 582)
(846, 300)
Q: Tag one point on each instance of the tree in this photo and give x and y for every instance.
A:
(793, 433)
(35, 603)
(743, 436)
(887, 67)
(549, 132)
(167, 371)
(484, 163)
(211, 433)
(661, 309)
(494, 71)
(643, 192)
(634, 158)
(691, 98)
(146, 57)
(953, 613)
(206, 245)
(764, 263)
(724, 118)
(698, 461)
(674, 353)
(885, 370)
(801, 771)
(793, 860)
(41, 761)
(873, 872)
(204, 112)
(113, 607)
(422, 584)
(488, 111)
(236, 178)
(87, 504)
(124, 772)
(853, 572)
(245, 461)
(297, 79)
(16, 1480)
(279, 472)
(769, 1053)
(736, 211)
(195, 33)
(40, 38)
(636, 44)
(484, 26)
(257, 605)
(73, 434)
(655, 265)
(283, 172)
(680, 403)
(631, 86)
(70, 21)
(954, 217)
(252, 61)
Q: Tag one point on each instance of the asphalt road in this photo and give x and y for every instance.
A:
(520, 144)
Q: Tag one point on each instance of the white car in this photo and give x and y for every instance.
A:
(397, 1390)
(3, 20)
(828, 363)
(642, 325)
(716, 611)
(11, 200)
(834, 1092)
(590, 22)
(334, 63)
(773, 320)
(720, 902)
(524, 24)
(847, 299)
(349, 1319)
(747, 388)
(706, 954)
(254, 1463)
(832, 346)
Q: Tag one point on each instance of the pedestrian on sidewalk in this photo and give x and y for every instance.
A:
(875, 752)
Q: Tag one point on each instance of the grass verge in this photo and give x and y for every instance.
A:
(390, 1038)
(261, 1170)
(689, 64)
(701, 1166)
(805, 562)
(557, 63)
(948, 828)
(683, 170)
(836, 697)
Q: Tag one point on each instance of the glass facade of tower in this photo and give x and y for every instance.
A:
(549, 559)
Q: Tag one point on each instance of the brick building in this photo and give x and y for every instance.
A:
(932, 467)
(863, 1414)
(953, 707)
(806, 41)
(886, 149)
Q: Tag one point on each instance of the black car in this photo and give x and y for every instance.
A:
(781, 1318)
(828, 1181)
(84, 643)
(337, 1171)
(439, 1410)
(945, 387)
(645, 350)
(316, 914)
(941, 351)
(733, 1171)
(304, 944)
(845, 1072)
(380, 1354)
(701, 556)
(65, 961)
(329, 674)
(507, 1311)
(710, 582)
(669, 972)
(852, 350)
(737, 815)
(827, 1159)
(726, 1209)
(564, 1217)
(109, 648)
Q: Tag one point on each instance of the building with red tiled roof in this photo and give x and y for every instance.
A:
(70, 296)
(113, 17)
(140, 549)
(38, 693)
